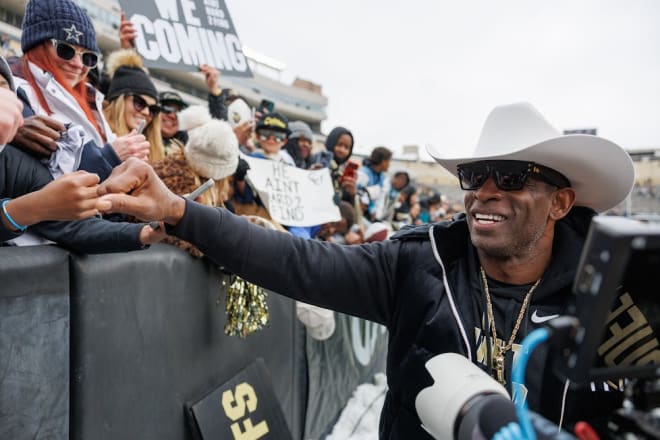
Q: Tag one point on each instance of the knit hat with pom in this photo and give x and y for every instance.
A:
(128, 75)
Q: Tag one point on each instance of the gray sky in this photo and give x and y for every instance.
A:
(428, 72)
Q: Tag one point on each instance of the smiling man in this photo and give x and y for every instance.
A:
(469, 286)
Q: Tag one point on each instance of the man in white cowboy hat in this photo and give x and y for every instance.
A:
(475, 285)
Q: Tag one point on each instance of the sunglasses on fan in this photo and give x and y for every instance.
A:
(67, 52)
(509, 175)
(140, 104)
(168, 109)
(265, 134)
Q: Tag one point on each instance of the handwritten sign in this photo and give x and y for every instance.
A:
(293, 196)
(183, 34)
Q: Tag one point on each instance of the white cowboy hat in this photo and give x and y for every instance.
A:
(600, 171)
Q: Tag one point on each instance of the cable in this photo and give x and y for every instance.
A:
(530, 342)
(523, 430)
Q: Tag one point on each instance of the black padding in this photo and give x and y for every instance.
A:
(147, 336)
(34, 343)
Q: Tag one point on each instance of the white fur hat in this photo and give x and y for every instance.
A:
(212, 147)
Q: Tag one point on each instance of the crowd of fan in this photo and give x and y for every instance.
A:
(80, 121)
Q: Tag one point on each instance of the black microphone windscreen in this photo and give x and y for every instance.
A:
(495, 414)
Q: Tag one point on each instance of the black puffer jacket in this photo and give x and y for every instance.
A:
(400, 283)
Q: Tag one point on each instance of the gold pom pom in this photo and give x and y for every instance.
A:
(246, 307)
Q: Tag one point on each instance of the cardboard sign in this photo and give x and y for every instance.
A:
(183, 34)
(293, 196)
(244, 407)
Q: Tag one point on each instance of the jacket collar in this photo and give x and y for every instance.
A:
(453, 241)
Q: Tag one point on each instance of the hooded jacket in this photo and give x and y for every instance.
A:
(423, 285)
(332, 139)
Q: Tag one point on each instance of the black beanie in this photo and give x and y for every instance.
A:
(59, 19)
(131, 80)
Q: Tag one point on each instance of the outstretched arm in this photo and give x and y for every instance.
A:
(358, 280)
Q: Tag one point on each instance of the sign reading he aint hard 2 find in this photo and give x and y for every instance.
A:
(183, 34)
(243, 408)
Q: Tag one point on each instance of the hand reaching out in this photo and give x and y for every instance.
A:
(134, 188)
(73, 196)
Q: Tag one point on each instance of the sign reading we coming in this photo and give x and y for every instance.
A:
(183, 34)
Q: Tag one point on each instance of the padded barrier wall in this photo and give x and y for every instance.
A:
(146, 336)
(34, 343)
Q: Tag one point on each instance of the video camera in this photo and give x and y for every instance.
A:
(614, 337)
(617, 304)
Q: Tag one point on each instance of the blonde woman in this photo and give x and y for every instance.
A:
(132, 99)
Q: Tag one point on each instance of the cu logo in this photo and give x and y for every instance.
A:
(364, 335)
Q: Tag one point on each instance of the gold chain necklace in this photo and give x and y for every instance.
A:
(499, 348)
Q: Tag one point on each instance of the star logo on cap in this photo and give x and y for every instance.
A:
(72, 34)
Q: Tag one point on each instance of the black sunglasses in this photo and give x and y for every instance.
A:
(140, 104)
(168, 109)
(510, 175)
(265, 134)
(67, 52)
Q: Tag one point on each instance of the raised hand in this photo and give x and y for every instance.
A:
(127, 33)
(211, 77)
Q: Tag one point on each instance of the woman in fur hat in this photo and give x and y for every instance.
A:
(131, 99)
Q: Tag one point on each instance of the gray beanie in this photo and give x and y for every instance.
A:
(300, 129)
(59, 19)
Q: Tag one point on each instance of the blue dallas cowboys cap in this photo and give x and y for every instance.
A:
(59, 19)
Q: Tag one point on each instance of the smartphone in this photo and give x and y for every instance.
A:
(350, 170)
(266, 106)
(140, 128)
(201, 189)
